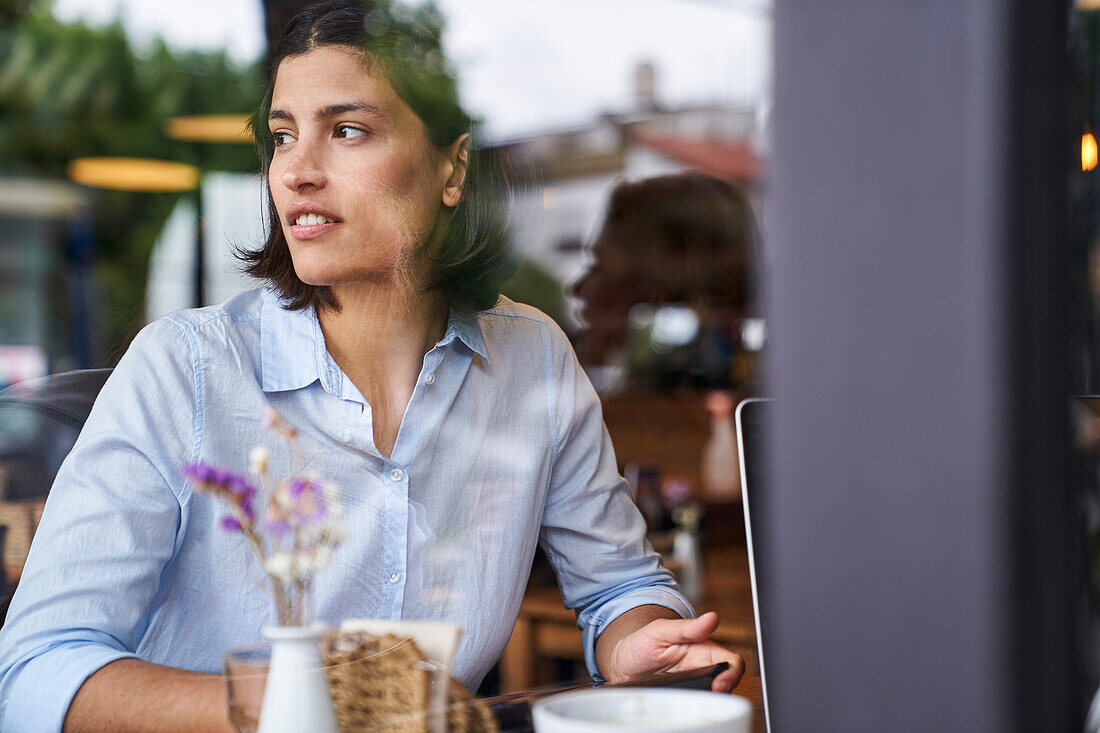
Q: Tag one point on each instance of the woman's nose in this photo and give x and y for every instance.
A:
(587, 285)
(580, 284)
(304, 169)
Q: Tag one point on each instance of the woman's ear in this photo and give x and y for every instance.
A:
(457, 161)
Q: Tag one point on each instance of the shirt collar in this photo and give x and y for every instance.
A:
(467, 329)
(284, 331)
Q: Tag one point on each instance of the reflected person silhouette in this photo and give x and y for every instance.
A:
(678, 247)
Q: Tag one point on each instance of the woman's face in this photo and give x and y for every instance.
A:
(355, 181)
(607, 291)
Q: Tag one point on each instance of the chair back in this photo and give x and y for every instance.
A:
(40, 420)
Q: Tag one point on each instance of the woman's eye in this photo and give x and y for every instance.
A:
(281, 137)
(350, 133)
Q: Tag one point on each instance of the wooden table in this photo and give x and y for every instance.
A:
(545, 629)
(752, 687)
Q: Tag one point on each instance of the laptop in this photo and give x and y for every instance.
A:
(751, 417)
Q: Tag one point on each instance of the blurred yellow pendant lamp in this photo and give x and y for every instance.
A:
(210, 129)
(134, 174)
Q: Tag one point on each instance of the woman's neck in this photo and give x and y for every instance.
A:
(380, 323)
(379, 338)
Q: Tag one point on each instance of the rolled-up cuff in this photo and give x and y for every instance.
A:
(611, 610)
(43, 689)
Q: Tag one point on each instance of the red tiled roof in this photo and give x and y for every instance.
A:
(730, 161)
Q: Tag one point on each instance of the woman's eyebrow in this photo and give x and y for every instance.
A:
(334, 110)
(278, 114)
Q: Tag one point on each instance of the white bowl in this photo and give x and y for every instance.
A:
(653, 709)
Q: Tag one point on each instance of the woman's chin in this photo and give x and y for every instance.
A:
(317, 281)
(325, 272)
(345, 280)
(328, 274)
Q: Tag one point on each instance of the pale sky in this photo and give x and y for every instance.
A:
(523, 65)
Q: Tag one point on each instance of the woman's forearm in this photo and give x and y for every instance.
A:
(130, 695)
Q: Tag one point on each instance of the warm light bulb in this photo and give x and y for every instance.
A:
(1088, 152)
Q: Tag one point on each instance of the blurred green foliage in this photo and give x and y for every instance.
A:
(69, 90)
(530, 283)
(11, 10)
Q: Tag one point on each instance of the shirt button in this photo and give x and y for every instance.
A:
(396, 474)
(429, 378)
(395, 576)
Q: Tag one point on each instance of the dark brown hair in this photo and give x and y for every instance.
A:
(686, 237)
(468, 265)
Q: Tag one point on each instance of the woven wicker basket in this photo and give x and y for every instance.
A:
(383, 684)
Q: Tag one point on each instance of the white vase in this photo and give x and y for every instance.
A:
(296, 698)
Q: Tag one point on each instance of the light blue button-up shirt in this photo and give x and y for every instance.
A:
(502, 446)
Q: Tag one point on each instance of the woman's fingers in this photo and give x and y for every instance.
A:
(686, 631)
(728, 680)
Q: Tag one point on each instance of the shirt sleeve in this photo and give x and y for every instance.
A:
(109, 528)
(592, 532)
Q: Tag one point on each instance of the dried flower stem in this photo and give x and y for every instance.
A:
(303, 507)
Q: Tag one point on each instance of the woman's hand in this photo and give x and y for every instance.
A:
(665, 644)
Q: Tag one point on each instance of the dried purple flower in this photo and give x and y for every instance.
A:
(248, 509)
(277, 527)
(229, 523)
(297, 485)
(241, 486)
(199, 472)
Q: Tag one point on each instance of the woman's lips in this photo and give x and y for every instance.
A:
(312, 231)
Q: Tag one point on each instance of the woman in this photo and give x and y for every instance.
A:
(461, 431)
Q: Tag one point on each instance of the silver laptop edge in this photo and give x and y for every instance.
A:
(752, 561)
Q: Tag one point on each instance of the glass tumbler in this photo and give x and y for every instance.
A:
(246, 675)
